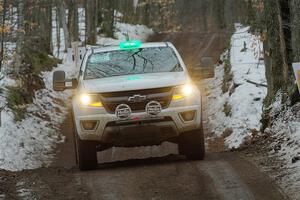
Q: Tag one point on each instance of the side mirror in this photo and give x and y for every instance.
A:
(59, 81)
(205, 69)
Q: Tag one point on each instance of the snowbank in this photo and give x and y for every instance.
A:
(30, 143)
(244, 100)
(284, 135)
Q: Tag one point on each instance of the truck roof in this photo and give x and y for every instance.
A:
(98, 49)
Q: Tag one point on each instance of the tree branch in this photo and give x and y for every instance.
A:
(257, 84)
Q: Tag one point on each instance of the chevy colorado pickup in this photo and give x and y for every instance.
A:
(134, 94)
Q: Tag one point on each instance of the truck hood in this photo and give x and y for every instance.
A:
(134, 82)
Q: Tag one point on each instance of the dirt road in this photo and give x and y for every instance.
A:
(220, 176)
(192, 46)
(158, 172)
(147, 172)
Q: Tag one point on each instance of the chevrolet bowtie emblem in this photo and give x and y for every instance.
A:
(137, 98)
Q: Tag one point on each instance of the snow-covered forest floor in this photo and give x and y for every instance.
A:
(234, 116)
(234, 110)
(235, 102)
(37, 158)
(30, 143)
(277, 150)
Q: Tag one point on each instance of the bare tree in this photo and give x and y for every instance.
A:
(295, 8)
(73, 20)
(63, 21)
(282, 45)
(91, 21)
(3, 30)
(58, 40)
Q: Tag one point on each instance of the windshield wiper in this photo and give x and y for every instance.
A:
(145, 62)
(132, 55)
(134, 59)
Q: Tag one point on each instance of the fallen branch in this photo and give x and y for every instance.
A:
(257, 84)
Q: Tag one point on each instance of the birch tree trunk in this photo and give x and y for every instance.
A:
(63, 21)
(57, 22)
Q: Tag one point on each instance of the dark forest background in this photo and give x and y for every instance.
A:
(28, 25)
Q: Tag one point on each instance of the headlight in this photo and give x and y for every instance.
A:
(90, 100)
(183, 91)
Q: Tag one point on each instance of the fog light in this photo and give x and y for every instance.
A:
(188, 116)
(89, 125)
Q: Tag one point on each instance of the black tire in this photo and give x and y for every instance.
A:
(192, 145)
(86, 153)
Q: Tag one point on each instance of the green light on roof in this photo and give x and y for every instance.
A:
(133, 44)
(133, 78)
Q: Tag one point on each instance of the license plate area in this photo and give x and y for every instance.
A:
(141, 120)
(145, 130)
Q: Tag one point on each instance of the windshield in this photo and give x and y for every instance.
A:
(137, 61)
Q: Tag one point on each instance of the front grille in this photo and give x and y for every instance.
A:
(134, 92)
(113, 99)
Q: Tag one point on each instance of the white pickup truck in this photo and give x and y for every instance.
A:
(134, 95)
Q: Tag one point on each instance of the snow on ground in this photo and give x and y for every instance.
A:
(244, 99)
(30, 143)
(284, 135)
(278, 147)
(135, 32)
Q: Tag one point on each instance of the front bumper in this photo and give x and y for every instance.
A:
(111, 130)
(129, 133)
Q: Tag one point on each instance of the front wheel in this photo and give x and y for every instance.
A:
(192, 145)
(86, 154)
